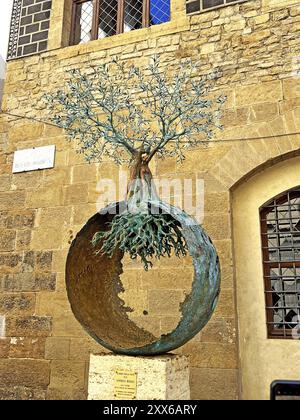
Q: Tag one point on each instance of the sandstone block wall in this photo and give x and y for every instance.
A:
(44, 351)
(30, 27)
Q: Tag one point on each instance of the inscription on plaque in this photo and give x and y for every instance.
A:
(33, 159)
(125, 384)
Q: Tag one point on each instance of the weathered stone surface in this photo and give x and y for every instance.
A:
(44, 197)
(84, 173)
(210, 355)
(165, 302)
(25, 282)
(58, 348)
(59, 260)
(220, 331)
(289, 105)
(56, 216)
(75, 194)
(58, 394)
(23, 239)
(28, 262)
(68, 374)
(59, 176)
(216, 202)
(22, 393)
(258, 36)
(225, 306)
(264, 92)
(4, 347)
(291, 88)
(4, 182)
(18, 282)
(213, 384)
(21, 220)
(49, 239)
(236, 117)
(218, 228)
(15, 303)
(26, 347)
(44, 260)
(264, 112)
(82, 213)
(65, 325)
(13, 199)
(3, 219)
(164, 278)
(45, 281)
(25, 372)
(26, 180)
(26, 131)
(30, 326)
(7, 240)
(10, 262)
(82, 348)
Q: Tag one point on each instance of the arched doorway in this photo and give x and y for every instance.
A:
(262, 358)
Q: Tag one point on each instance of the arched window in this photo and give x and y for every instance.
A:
(94, 19)
(280, 229)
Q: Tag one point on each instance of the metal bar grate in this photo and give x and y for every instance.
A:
(197, 6)
(108, 18)
(280, 228)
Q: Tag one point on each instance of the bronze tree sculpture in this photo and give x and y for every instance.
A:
(131, 116)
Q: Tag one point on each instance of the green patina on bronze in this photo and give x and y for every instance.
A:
(93, 284)
(131, 116)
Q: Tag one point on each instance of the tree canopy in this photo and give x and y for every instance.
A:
(113, 110)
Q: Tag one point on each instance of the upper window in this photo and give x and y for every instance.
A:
(194, 6)
(94, 19)
(280, 228)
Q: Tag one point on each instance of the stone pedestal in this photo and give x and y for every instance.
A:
(116, 377)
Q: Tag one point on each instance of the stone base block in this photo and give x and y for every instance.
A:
(116, 377)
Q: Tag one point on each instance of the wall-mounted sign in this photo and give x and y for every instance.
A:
(34, 159)
(125, 384)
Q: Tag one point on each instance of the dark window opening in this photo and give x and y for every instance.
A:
(94, 19)
(280, 229)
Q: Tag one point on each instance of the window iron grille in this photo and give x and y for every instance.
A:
(94, 19)
(280, 230)
(197, 6)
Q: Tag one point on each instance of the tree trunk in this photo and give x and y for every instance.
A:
(141, 188)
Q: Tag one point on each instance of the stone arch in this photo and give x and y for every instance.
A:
(280, 140)
(262, 360)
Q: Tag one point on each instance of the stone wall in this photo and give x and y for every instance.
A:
(2, 77)
(44, 351)
(29, 27)
(1, 89)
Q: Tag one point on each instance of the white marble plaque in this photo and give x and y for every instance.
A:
(34, 159)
